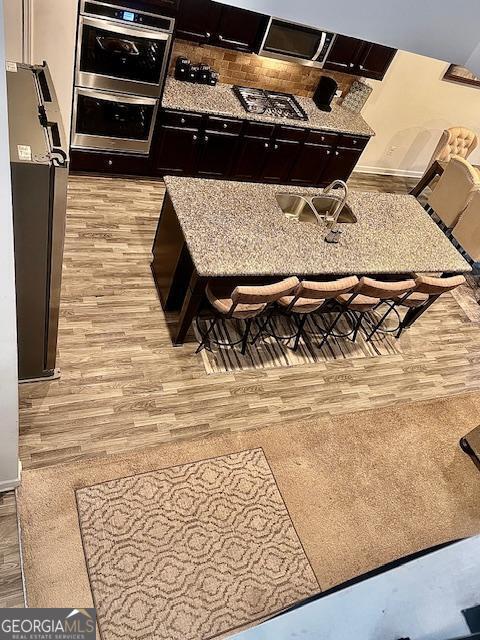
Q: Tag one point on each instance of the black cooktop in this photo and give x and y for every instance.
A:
(271, 103)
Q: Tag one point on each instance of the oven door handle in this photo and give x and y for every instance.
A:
(146, 34)
(115, 97)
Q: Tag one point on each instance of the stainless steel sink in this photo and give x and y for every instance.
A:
(296, 207)
(313, 209)
(323, 205)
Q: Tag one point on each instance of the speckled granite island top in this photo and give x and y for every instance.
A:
(221, 101)
(238, 229)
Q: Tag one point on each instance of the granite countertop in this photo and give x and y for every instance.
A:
(238, 229)
(220, 100)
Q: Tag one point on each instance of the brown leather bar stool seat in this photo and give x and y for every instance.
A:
(368, 295)
(240, 302)
(427, 290)
(219, 294)
(308, 297)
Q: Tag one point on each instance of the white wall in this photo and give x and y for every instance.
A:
(442, 29)
(8, 336)
(410, 109)
(53, 26)
(14, 30)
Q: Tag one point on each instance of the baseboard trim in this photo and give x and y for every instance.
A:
(10, 485)
(387, 171)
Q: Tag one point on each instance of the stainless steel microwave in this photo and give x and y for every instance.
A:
(296, 43)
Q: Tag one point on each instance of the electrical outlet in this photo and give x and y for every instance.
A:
(338, 93)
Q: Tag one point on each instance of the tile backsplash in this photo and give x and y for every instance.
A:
(257, 71)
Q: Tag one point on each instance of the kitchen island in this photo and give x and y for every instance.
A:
(212, 229)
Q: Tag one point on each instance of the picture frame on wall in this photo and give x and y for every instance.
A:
(461, 75)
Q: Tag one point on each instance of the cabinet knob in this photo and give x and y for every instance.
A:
(266, 145)
(276, 147)
(354, 142)
(322, 138)
(225, 125)
(194, 137)
(220, 37)
(351, 65)
(361, 67)
(336, 153)
(207, 34)
(328, 152)
(110, 162)
(182, 120)
(206, 138)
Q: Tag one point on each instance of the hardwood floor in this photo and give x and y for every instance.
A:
(123, 386)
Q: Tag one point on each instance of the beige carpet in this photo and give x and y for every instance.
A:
(361, 489)
(191, 551)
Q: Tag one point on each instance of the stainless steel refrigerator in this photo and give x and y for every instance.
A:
(39, 168)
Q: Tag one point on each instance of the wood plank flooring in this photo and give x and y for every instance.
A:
(123, 386)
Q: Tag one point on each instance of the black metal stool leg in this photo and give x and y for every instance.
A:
(301, 324)
(204, 341)
(248, 324)
(358, 325)
(263, 325)
(379, 323)
(331, 328)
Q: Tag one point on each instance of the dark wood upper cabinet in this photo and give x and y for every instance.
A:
(220, 25)
(197, 20)
(374, 60)
(238, 29)
(351, 55)
(344, 54)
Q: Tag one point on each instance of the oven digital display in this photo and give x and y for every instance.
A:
(128, 15)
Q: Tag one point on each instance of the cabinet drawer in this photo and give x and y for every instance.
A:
(353, 142)
(180, 119)
(259, 129)
(296, 134)
(223, 124)
(322, 137)
(114, 163)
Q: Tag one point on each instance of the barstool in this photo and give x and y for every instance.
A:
(229, 301)
(366, 296)
(427, 290)
(311, 296)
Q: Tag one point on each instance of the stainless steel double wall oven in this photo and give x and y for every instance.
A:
(121, 63)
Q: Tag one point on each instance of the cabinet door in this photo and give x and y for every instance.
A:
(340, 165)
(176, 151)
(238, 29)
(280, 160)
(344, 54)
(216, 154)
(197, 20)
(374, 60)
(251, 156)
(310, 164)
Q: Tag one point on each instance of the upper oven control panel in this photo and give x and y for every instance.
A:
(126, 15)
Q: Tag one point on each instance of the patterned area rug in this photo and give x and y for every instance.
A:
(192, 551)
(268, 352)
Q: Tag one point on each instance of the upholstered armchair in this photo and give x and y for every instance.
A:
(454, 190)
(467, 229)
(457, 141)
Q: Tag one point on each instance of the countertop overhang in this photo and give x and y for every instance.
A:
(238, 229)
(221, 101)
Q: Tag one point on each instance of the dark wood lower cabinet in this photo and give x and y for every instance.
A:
(216, 154)
(280, 160)
(250, 159)
(176, 151)
(193, 144)
(310, 164)
(341, 164)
